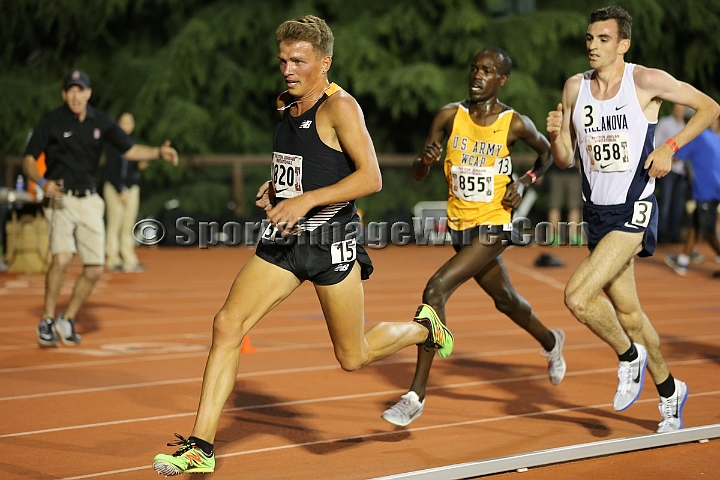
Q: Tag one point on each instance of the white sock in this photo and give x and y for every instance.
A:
(683, 260)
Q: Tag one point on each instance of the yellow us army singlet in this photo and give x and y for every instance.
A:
(477, 169)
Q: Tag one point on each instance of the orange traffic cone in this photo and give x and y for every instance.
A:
(246, 346)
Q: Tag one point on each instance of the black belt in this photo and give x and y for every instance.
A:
(81, 193)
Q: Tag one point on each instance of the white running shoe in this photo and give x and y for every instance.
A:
(672, 262)
(671, 409)
(697, 258)
(405, 411)
(65, 329)
(556, 362)
(630, 380)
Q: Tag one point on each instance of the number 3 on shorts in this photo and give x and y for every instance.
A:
(343, 252)
(641, 213)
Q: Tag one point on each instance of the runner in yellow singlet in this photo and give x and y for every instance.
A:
(480, 133)
(478, 169)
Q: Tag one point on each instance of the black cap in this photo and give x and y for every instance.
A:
(76, 77)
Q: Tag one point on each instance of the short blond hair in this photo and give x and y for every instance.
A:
(311, 29)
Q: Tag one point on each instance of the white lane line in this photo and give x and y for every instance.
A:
(263, 373)
(330, 399)
(205, 336)
(532, 273)
(290, 347)
(394, 432)
(169, 382)
(135, 359)
(144, 322)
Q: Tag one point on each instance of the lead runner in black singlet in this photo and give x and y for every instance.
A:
(323, 160)
(325, 244)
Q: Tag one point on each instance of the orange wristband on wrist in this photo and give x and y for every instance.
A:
(673, 145)
(532, 175)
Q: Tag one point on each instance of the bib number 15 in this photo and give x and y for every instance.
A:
(343, 252)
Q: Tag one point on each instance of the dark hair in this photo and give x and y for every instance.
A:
(617, 13)
(505, 63)
(311, 29)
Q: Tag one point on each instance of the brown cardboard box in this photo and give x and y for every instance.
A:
(28, 243)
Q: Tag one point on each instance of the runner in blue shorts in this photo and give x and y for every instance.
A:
(609, 113)
(635, 217)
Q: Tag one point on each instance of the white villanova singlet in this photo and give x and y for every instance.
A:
(614, 139)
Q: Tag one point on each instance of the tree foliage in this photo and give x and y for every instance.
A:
(204, 73)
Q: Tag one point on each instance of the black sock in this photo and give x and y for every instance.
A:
(630, 355)
(554, 343)
(427, 344)
(666, 389)
(206, 447)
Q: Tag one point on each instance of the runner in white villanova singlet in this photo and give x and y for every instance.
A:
(614, 139)
(613, 109)
(608, 133)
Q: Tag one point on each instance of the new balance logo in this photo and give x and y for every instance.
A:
(306, 124)
(439, 334)
(194, 458)
(342, 268)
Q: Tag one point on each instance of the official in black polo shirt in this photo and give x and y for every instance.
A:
(73, 138)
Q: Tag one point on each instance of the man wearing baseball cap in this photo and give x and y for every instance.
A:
(73, 137)
(76, 77)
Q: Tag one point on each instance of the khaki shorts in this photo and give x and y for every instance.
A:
(77, 225)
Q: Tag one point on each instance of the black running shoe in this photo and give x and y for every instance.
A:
(46, 333)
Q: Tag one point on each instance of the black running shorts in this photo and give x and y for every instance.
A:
(508, 234)
(320, 257)
(705, 217)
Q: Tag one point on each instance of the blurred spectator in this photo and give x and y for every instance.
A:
(703, 152)
(122, 201)
(565, 189)
(72, 137)
(672, 188)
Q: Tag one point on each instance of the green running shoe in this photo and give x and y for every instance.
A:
(440, 337)
(189, 458)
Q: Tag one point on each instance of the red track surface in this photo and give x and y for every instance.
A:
(105, 408)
